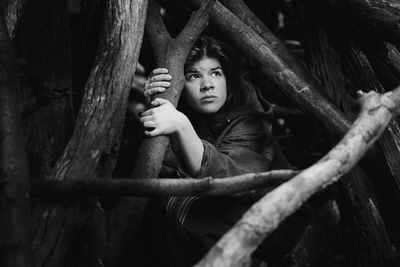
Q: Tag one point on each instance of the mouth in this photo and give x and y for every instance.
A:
(208, 98)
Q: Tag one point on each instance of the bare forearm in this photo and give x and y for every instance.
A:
(191, 148)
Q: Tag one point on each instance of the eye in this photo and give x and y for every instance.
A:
(216, 73)
(192, 76)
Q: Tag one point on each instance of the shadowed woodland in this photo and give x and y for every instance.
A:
(78, 181)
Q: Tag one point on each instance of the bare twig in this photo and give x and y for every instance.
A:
(262, 218)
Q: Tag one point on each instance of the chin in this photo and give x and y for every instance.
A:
(210, 109)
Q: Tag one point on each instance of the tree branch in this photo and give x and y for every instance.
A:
(263, 217)
(156, 30)
(159, 187)
(152, 150)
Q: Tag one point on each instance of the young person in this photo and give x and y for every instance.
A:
(222, 128)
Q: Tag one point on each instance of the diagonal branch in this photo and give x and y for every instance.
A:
(262, 218)
(156, 30)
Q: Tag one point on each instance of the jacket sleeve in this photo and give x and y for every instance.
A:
(247, 146)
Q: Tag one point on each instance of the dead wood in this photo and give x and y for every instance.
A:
(262, 218)
(92, 149)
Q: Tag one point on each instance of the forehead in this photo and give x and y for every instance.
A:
(204, 64)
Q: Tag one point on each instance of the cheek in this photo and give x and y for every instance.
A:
(189, 95)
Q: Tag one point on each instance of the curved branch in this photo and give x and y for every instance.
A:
(160, 187)
(263, 217)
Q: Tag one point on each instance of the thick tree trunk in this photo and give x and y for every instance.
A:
(93, 147)
(15, 241)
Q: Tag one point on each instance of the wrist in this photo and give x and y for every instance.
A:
(182, 124)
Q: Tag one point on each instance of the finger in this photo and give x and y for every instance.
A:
(159, 71)
(160, 77)
(158, 84)
(159, 102)
(148, 112)
(146, 118)
(149, 124)
(152, 133)
(153, 91)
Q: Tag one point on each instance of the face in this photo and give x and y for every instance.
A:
(205, 87)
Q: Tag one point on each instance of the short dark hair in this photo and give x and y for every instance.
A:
(231, 63)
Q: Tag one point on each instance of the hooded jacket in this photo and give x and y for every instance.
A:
(238, 139)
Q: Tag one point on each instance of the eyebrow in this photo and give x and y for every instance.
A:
(195, 71)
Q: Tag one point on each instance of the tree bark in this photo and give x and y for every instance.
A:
(92, 149)
(15, 229)
(262, 218)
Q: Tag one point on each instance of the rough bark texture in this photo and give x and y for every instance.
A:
(92, 149)
(299, 89)
(14, 174)
(262, 218)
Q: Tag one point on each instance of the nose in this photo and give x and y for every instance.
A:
(207, 84)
